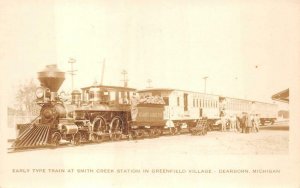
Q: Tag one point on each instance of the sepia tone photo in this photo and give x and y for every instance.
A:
(152, 94)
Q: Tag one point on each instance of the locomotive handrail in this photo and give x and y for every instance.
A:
(24, 133)
(32, 120)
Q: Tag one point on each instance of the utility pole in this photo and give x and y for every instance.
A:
(236, 79)
(102, 75)
(125, 79)
(72, 71)
(205, 78)
(149, 81)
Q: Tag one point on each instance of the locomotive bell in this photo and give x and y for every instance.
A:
(51, 77)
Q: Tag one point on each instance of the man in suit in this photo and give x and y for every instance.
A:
(242, 121)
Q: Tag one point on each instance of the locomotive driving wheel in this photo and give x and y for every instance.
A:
(99, 128)
(116, 126)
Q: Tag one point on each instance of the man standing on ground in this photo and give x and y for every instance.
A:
(256, 122)
(233, 123)
(223, 121)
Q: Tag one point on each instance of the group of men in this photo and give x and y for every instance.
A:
(244, 123)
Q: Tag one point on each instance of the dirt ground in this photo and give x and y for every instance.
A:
(101, 163)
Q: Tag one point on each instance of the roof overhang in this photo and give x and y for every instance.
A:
(282, 96)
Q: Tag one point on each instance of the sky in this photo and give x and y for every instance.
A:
(246, 49)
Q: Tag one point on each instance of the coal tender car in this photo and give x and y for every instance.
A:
(147, 117)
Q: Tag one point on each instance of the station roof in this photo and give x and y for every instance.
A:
(282, 96)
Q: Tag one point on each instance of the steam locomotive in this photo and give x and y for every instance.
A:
(112, 113)
(52, 123)
(104, 114)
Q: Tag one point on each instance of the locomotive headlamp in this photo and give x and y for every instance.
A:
(39, 92)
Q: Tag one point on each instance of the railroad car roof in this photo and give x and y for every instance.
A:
(170, 89)
(156, 89)
(110, 87)
(165, 89)
(247, 100)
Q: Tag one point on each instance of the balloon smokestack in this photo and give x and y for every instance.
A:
(51, 77)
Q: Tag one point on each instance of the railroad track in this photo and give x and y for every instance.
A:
(68, 144)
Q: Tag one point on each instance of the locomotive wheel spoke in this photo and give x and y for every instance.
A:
(99, 129)
(116, 128)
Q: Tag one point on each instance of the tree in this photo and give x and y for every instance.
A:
(25, 98)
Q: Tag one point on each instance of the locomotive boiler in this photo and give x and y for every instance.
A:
(51, 125)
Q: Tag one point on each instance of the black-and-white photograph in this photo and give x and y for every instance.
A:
(149, 93)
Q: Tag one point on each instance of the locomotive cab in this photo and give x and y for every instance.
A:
(106, 109)
(106, 95)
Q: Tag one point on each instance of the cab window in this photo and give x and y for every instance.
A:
(124, 97)
(104, 96)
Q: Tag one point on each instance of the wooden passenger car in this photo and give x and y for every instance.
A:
(184, 108)
(267, 112)
(234, 106)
